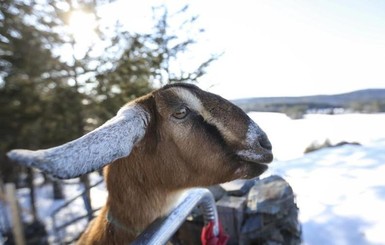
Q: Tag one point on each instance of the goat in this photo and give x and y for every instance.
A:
(157, 146)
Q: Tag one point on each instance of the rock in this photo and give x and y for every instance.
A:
(272, 214)
(270, 195)
(217, 191)
(251, 227)
(239, 187)
(231, 215)
(251, 212)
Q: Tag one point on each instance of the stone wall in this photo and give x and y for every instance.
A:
(262, 212)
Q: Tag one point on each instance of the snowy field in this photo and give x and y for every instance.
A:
(340, 191)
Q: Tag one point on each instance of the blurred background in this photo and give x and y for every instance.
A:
(310, 73)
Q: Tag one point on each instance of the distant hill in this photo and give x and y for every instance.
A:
(368, 101)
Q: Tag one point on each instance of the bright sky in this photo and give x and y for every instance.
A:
(282, 48)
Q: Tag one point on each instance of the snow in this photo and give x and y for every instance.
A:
(46, 205)
(291, 137)
(340, 191)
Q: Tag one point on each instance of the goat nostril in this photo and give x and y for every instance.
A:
(265, 143)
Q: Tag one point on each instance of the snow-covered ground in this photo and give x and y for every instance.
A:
(340, 191)
(291, 137)
(46, 205)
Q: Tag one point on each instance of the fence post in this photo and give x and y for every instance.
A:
(87, 205)
(17, 226)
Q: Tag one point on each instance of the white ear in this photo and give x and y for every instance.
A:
(113, 140)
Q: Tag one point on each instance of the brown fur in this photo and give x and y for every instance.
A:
(173, 155)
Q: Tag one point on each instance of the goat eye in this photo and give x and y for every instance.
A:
(181, 113)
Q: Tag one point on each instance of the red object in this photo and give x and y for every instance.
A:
(208, 237)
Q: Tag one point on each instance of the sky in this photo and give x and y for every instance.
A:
(281, 48)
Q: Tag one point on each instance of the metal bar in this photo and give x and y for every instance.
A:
(53, 213)
(161, 230)
(74, 220)
(87, 206)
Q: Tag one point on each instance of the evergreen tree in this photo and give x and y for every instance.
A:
(47, 100)
(25, 62)
(148, 60)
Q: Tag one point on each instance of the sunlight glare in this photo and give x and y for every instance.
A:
(82, 26)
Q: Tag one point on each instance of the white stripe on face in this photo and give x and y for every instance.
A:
(190, 99)
(196, 104)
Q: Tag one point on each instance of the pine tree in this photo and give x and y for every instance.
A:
(25, 62)
(46, 100)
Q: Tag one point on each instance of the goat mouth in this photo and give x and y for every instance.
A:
(251, 165)
(249, 169)
(255, 158)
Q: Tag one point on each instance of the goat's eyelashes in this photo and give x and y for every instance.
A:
(181, 113)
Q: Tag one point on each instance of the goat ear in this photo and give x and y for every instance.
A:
(114, 139)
